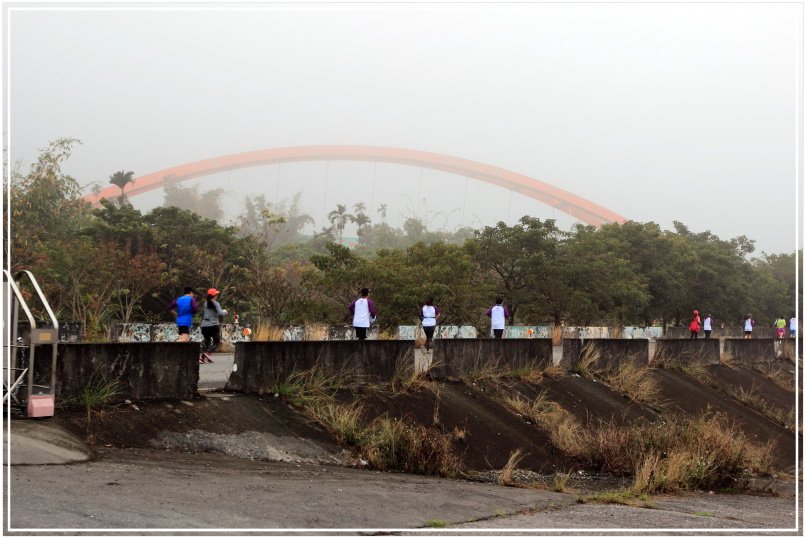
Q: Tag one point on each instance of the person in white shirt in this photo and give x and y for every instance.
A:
(364, 313)
(498, 315)
(706, 325)
(428, 316)
(793, 327)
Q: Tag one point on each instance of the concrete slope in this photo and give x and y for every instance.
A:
(43, 441)
(242, 426)
(691, 397)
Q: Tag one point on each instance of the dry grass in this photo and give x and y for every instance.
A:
(693, 368)
(726, 358)
(556, 335)
(553, 371)
(344, 421)
(316, 332)
(783, 378)
(680, 453)
(753, 399)
(406, 378)
(505, 475)
(560, 481)
(635, 382)
(590, 356)
(486, 370)
(265, 331)
(392, 444)
(531, 372)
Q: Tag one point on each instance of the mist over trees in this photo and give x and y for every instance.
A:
(116, 264)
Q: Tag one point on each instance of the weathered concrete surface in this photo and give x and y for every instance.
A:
(143, 370)
(42, 441)
(750, 351)
(609, 352)
(150, 489)
(457, 358)
(704, 351)
(259, 365)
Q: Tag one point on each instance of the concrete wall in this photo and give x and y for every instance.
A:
(687, 350)
(68, 331)
(610, 352)
(750, 351)
(458, 358)
(143, 370)
(259, 365)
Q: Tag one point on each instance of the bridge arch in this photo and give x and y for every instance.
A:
(575, 206)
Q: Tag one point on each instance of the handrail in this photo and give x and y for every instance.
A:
(20, 299)
(41, 297)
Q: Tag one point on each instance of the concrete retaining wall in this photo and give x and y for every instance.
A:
(687, 350)
(459, 358)
(143, 370)
(610, 352)
(750, 351)
(259, 365)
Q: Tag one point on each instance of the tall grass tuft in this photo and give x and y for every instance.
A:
(635, 382)
(505, 475)
(265, 331)
(590, 356)
(391, 444)
(675, 454)
(344, 421)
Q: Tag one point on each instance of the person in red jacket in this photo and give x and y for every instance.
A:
(695, 325)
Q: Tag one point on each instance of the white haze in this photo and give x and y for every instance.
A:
(658, 112)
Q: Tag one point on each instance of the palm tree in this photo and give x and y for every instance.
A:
(382, 211)
(339, 219)
(361, 219)
(122, 179)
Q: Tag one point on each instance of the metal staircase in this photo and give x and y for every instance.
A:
(27, 386)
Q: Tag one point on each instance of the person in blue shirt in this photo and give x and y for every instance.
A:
(183, 308)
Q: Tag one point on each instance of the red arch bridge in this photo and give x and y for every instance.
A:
(575, 206)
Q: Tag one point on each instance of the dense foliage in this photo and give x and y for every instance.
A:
(114, 263)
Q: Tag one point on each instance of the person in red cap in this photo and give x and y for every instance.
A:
(210, 326)
(695, 325)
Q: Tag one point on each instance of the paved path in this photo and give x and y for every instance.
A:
(215, 375)
(151, 490)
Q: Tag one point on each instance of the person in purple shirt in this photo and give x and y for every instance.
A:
(498, 315)
(428, 316)
(183, 308)
(363, 311)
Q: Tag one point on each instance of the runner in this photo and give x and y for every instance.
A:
(183, 308)
(210, 326)
(498, 315)
(363, 311)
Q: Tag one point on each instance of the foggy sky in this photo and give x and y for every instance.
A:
(658, 112)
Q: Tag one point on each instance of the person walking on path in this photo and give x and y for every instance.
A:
(364, 313)
(498, 315)
(780, 327)
(793, 327)
(210, 326)
(695, 326)
(183, 308)
(748, 326)
(428, 316)
(706, 325)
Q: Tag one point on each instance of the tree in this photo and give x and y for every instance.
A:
(122, 179)
(518, 257)
(382, 210)
(207, 203)
(339, 219)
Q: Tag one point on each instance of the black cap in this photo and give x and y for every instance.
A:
(189, 289)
